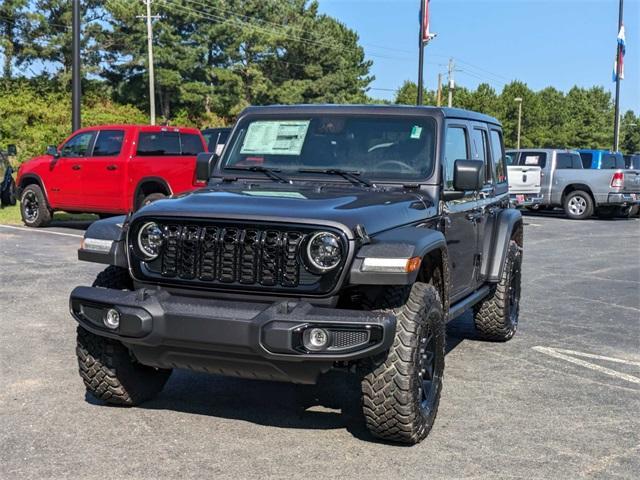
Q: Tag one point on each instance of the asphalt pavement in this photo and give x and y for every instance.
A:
(561, 400)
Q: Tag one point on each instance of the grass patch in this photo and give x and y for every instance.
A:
(11, 216)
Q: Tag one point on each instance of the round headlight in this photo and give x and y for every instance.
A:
(324, 251)
(150, 239)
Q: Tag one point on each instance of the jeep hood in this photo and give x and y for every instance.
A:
(376, 209)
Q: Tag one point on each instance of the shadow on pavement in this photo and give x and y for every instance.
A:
(333, 403)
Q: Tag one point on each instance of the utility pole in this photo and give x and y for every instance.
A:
(152, 86)
(439, 99)
(519, 101)
(616, 124)
(76, 88)
(452, 83)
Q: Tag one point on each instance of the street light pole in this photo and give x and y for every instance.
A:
(152, 87)
(519, 101)
(76, 88)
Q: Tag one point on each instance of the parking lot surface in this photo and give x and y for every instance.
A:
(561, 400)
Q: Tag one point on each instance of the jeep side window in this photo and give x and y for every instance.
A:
(456, 148)
(77, 146)
(499, 163)
(481, 147)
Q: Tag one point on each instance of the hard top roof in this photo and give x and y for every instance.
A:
(371, 110)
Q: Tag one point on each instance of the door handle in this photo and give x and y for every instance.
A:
(76, 167)
(112, 167)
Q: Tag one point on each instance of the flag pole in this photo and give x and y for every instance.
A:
(421, 56)
(616, 120)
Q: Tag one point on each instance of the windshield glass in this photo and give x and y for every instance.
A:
(380, 148)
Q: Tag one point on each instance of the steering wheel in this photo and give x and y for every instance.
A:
(397, 163)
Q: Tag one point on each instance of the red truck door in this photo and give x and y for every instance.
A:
(104, 172)
(63, 181)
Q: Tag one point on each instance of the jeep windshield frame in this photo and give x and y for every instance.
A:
(381, 148)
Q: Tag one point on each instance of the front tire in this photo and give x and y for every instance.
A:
(401, 392)
(496, 317)
(34, 208)
(578, 205)
(107, 368)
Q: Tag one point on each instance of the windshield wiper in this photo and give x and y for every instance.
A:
(352, 176)
(269, 172)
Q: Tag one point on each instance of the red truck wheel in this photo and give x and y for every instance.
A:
(33, 207)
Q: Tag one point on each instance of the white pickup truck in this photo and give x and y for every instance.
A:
(524, 184)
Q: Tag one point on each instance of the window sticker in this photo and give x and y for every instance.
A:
(416, 132)
(275, 137)
(531, 160)
(275, 194)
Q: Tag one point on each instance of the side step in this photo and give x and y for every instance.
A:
(458, 308)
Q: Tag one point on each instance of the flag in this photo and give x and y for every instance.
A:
(618, 64)
(426, 34)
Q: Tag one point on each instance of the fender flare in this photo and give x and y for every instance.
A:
(38, 180)
(498, 234)
(399, 243)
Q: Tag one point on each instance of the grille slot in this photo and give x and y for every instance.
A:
(349, 338)
(232, 255)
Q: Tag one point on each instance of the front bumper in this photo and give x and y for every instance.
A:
(526, 199)
(237, 338)
(623, 199)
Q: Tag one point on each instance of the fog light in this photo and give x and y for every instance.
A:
(316, 339)
(112, 319)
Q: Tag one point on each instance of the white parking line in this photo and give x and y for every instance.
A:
(41, 231)
(565, 355)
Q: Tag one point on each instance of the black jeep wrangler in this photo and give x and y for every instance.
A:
(328, 237)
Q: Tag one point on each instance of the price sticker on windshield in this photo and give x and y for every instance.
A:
(275, 137)
(416, 132)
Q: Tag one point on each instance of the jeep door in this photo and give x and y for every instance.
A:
(65, 172)
(461, 228)
(104, 172)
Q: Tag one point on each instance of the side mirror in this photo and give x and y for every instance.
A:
(468, 175)
(12, 151)
(205, 162)
(53, 151)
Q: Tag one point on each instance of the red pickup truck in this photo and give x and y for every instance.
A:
(110, 169)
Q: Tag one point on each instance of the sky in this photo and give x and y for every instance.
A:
(559, 43)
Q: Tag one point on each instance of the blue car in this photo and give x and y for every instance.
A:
(601, 159)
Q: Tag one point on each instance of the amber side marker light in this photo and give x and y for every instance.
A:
(391, 265)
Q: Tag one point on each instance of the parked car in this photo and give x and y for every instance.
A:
(7, 183)
(581, 192)
(524, 184)
(216, 138)
(329, 237)
(110, 169)
(601, 159)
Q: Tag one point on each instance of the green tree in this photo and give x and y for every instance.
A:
(630, 133)
(12, 24)
(407, 94)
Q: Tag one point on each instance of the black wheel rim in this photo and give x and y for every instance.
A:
(30, 206)
(514, 296)
(429, 379)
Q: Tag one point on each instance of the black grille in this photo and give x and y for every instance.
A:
(232, 255)
(349, 338)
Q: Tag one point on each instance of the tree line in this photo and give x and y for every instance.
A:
(215, 57)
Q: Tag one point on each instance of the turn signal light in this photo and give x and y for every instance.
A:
(617, 181)
(413, 264)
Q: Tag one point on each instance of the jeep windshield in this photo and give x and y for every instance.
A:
(330, 146)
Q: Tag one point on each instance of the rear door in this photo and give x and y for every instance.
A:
(64, 178)
(104, 172)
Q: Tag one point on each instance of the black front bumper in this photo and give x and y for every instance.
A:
(236, 338)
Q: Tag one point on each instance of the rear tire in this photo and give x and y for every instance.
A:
(496, 317)
(578, 205)
(401, 391)
(150, 199)
(34, 208)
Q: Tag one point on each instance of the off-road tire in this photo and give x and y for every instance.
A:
(496, 317)
(583, 199)
(392, 385)
(110, 373)
(35, 214)
(151, 198)
(8, 196)
(108, 370)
